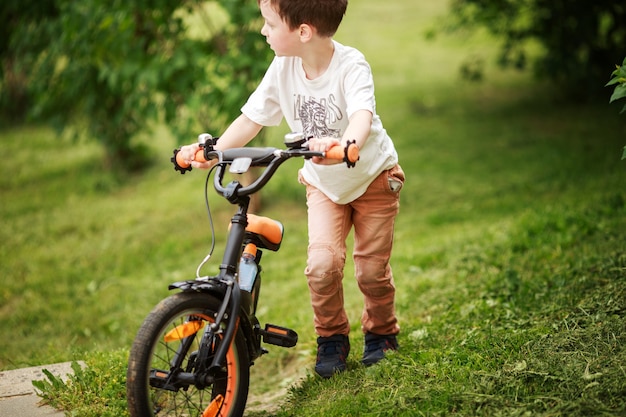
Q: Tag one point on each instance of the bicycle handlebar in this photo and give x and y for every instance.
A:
(268, 157)
(349, 154)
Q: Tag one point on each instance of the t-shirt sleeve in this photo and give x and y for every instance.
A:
(263, 106)
(359, 88)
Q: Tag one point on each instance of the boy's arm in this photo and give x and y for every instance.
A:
(358, 130)
(241, 131)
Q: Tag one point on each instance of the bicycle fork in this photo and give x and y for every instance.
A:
(196, 372)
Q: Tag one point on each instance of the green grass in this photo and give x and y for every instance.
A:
(510, 254)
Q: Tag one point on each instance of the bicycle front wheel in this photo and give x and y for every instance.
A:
(170, 347)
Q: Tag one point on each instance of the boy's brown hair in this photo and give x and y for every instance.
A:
(324, 15)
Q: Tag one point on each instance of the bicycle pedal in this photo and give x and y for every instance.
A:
(279, 336)
(160, 379)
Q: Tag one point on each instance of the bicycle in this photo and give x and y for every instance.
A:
(193, 352)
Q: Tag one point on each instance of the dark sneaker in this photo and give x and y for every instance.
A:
(331, 355)
(376, 346)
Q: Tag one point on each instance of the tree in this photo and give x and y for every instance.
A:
(579, 39)
(13, 15)
(111, 69)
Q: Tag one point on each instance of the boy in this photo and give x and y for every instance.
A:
(325, 90)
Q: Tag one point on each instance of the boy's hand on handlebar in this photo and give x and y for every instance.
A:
(322, 145)
(188, 154)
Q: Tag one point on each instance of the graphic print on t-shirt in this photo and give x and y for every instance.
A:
(315, 116)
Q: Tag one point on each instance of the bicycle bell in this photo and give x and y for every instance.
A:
(295, 140)
(203, 138)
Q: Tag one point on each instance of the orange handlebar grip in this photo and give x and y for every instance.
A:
(179, 160)
(199, 157)
(350, 153)
(336, 152)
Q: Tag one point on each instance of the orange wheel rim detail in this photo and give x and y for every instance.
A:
(214, 407)
(231, 383)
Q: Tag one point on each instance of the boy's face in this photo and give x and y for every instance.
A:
(282, 40)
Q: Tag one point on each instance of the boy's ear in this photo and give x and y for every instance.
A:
(306, 32)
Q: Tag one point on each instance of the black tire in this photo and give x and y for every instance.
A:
(151, 352)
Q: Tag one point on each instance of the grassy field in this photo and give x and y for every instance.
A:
(510, 253)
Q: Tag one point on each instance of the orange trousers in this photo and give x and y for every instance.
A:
(372, 216)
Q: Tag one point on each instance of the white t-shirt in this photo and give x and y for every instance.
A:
(322, 107)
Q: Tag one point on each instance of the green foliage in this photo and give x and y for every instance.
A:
(96, 389)
(578, 39)
(14, 100)
(111, 70)
(618, 79)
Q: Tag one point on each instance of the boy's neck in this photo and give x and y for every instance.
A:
(317, 56)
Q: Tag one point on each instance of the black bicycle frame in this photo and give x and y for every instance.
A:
(235, 193)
